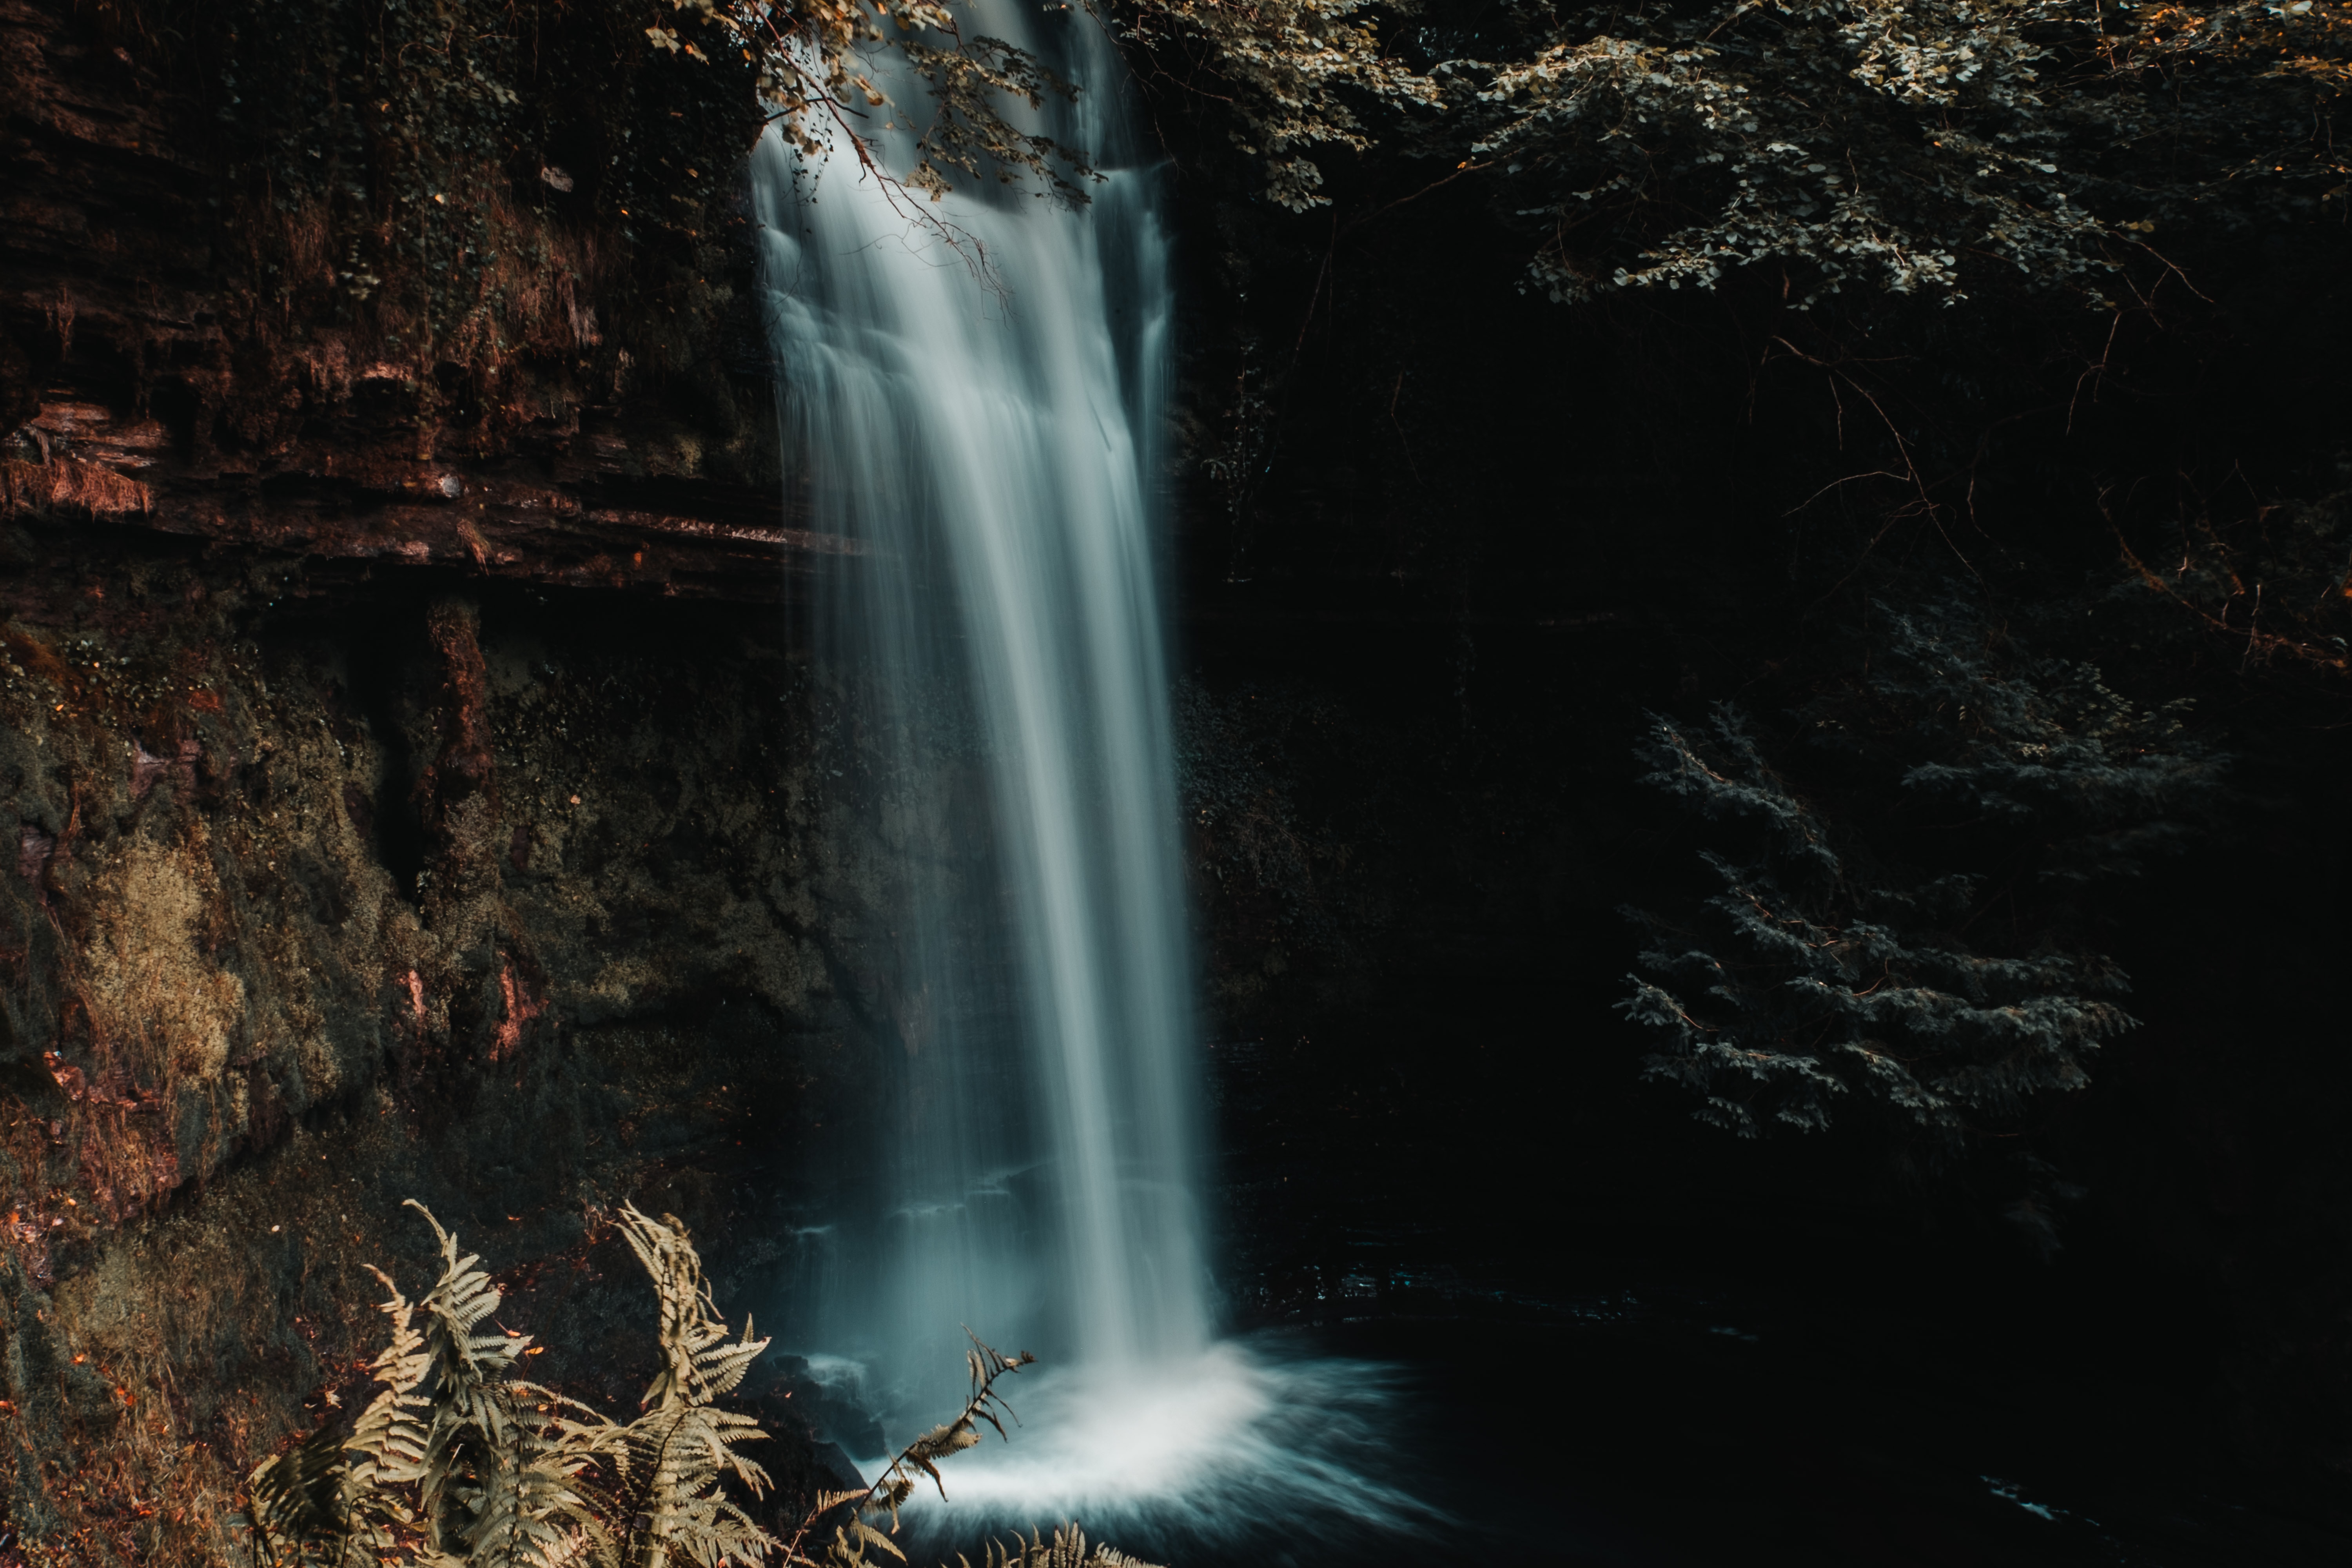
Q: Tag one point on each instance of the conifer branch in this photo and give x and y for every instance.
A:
(1832, 966)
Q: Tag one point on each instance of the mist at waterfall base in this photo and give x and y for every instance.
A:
(972, 396)
(1187, 1464)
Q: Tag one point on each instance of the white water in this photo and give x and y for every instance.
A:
(998, 641)
(1242, 1435)
(995, 650)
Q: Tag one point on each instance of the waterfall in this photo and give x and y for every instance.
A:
(993, 682)
(979, 413)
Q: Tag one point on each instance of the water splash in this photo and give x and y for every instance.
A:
(1241, 1451)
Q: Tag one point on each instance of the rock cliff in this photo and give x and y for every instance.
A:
(409, 779)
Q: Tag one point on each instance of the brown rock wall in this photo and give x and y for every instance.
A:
(382, 828)
(154, 377)
(333, 898)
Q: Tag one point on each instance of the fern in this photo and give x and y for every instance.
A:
(667, 1468)
(1066, 1550)
(324, 1501)
(458, 1464)
(698, 1362)
(298, 1513)
(920, 1458)
(890, 1491)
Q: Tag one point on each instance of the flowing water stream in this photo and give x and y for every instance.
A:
(979, 412)
(987, 436)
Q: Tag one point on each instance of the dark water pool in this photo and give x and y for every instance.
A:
(1640, 1429)
(1629, 1433)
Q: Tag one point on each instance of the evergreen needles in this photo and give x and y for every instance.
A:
(1921, 955)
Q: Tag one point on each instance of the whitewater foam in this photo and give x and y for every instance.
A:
(1185, 1453)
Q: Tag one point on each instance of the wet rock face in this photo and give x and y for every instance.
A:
(411, 791)
(497, 899)
(168, 363)
(408, 783)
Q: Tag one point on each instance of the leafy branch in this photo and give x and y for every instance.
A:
(814, 70)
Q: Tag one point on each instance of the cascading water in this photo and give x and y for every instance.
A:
(995, 644)
(990, 452)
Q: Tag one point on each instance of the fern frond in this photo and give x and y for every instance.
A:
(388, 1442)
(669, 1465)
(458, 1301)
(886, 1494)
(699, 1362)
(505, 1473)
(297, 1498)
(528, 1512)
(897, 1482)
(851, 1540)
(1066, 1550)
(335, 1498)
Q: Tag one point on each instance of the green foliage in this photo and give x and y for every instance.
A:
(427, 164)
(1898, 143)
(1293, 71)
(1904, 146)
(1918, 956)
(1872, 142)
(810, 71)
(2012, 742)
